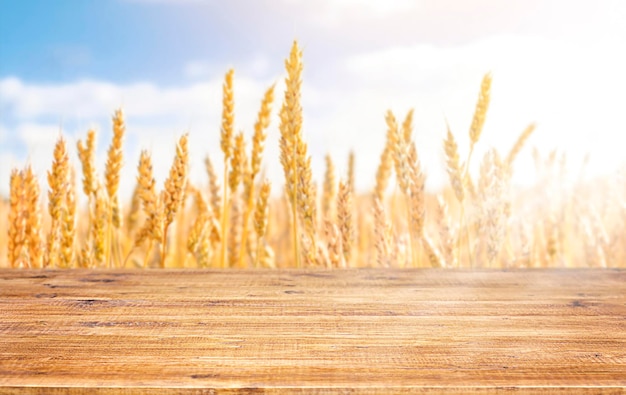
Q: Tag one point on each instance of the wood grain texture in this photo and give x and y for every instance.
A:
(348, 331)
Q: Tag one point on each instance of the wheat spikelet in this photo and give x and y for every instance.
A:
(34, 226)
(306, 194)
(228, 115)
(206, 247)
(407, 127)
(383, 173)
(100, 225)
(350, 180)
(262, 123)
(306, 199)
(258, 142)
(519, 144)
(291, 136)
(261, 214)
(416, 192)
(174, 192)
(115, 157)
(416, 200)
(58, 182)
(492, 193)
(86, 154)
(214, 188)
(235, 228)
(153, 227)
(85, 259)
(453, 166)
(344, 218)
(198, 238)
(196, 234)
(176, 183)
(204, 252)
(237, 163)
(329, 190)
(201, 205)
(68, 230)
(398, 153)
(480, 114)
(135, 209)
(261, 218)
(226, 144)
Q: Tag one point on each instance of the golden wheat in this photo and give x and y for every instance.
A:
(550, 224)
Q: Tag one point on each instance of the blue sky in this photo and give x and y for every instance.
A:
(67, 64)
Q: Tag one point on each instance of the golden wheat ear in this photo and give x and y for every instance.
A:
(292, 148)
(115, 161)
(58, 181)
(34, 227)
(453, 166)
(519, 144)
(227, 146)
(329, 190)
(345, 221)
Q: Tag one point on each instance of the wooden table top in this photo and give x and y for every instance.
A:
(346, 331)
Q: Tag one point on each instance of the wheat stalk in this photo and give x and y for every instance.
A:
(174, 192)
(416, 200)
(258, 145)
(226, 144)
(292, 149)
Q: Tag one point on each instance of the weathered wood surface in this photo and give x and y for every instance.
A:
(363, 331)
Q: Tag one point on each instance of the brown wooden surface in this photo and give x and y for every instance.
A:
(367, 331)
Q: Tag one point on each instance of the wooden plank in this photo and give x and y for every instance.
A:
(358, 331)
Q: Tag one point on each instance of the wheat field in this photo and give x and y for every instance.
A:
(239, 220)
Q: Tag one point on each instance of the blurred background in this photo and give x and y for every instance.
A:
(66, 65)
